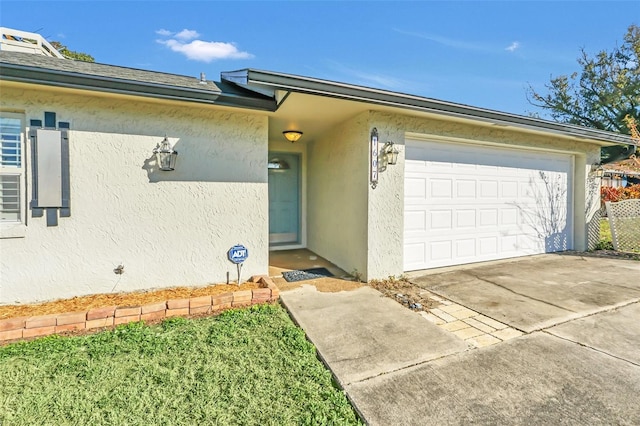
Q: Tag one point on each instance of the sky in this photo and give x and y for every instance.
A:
(479, 53)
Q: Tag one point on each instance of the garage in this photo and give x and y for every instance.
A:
(470, 203)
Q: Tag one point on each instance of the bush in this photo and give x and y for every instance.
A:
(608, 193)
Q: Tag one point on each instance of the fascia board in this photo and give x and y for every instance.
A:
(400, 100)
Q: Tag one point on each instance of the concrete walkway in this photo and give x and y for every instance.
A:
(578, 364)
(362, 334)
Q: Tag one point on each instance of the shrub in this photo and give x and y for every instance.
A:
(608, 193)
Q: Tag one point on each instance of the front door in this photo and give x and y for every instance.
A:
(284, 199)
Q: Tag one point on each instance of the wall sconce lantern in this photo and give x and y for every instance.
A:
(597, 170)
(165, 155)
(390, 153)
(292, 135)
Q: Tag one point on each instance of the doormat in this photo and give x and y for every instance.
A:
(306, 274)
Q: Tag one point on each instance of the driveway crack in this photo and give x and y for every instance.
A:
(591, 347)
(519, 294)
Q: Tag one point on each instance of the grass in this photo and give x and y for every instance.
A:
(605, 230)
(250, 366)
(606, 241)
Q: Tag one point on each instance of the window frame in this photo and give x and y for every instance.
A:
(17, 229)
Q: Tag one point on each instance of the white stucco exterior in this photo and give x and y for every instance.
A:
(174, 228)
(360, 228)
(337, 193)
(165, 228)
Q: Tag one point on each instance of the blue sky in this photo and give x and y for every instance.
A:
(477, 53)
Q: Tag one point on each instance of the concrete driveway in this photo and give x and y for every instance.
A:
(537, 292)
(577, 361)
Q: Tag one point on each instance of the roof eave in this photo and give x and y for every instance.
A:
(314, 86)
(48, 77)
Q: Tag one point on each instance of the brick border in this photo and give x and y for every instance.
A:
(13, 329)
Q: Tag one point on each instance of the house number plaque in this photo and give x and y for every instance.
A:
(374, 157)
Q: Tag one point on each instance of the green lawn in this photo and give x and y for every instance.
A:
(250, 366)
(606, 241)
(605, 230)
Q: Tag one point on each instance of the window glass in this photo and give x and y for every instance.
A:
(11, 168)
(9, 198)
(10, 129)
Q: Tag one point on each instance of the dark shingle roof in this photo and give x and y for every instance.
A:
(38, 69)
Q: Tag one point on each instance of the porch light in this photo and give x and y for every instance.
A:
(597, 170)
(292, 135)
(165, 155)
(390, 153)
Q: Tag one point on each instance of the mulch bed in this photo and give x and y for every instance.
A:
(84, 303)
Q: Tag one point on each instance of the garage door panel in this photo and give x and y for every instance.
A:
(465, 218)
(415, 221)
(481, 203)
(440, 188)
(466, 188)
(488, 189)
(415, 187)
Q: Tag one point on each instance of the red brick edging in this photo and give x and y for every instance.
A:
(109, 316)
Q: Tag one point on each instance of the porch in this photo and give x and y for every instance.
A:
(302, 259)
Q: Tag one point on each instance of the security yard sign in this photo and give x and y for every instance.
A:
(238, 254)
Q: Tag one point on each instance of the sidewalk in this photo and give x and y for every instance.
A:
(362, 334)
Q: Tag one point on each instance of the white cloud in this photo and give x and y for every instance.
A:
(513, 46)
(206, 51)
(445, 41)
(367, 78)
(200, 50)
(187, 34)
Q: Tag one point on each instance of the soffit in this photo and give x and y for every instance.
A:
(314, 115)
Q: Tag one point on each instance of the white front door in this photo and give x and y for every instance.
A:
(466, 203)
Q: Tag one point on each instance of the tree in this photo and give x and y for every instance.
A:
(72, 54)
(600, 96)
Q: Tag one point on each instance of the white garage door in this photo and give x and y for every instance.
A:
(467, 203)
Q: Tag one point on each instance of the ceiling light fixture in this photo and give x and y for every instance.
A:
(292, 135)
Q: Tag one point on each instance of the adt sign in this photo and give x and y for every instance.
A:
(238, 253)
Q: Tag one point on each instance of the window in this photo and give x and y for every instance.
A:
(11, 168)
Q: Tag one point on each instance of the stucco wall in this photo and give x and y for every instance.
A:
(166, 228)
(386, 202)
(337, 195)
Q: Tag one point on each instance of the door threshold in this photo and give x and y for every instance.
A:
(287, 247)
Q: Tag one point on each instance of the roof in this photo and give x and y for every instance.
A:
(259, 90)
(630, 166)
(37, 69)
(262, 81)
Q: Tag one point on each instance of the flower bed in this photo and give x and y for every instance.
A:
(98, 318)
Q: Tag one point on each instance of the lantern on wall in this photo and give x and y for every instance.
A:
(390, 153)
(165, 155)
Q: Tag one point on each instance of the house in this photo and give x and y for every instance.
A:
(621, 173)
(85, 207)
